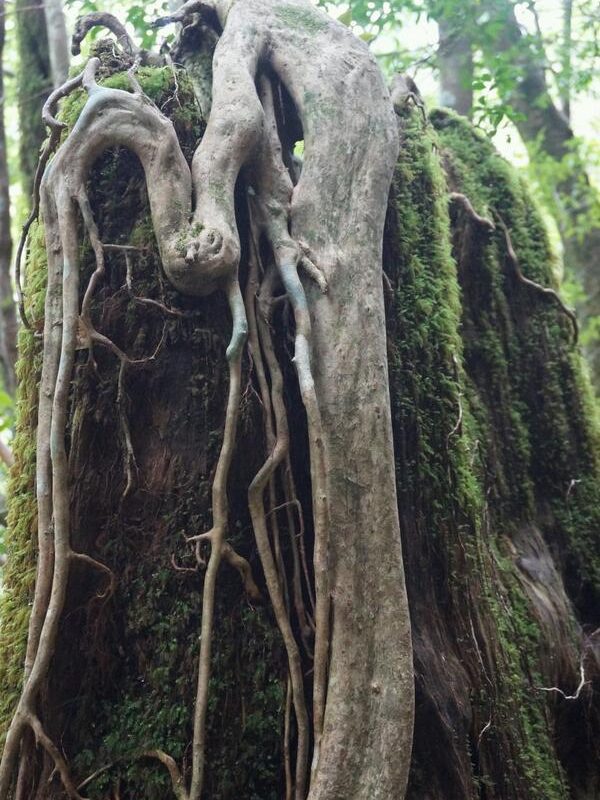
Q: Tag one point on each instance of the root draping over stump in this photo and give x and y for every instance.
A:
(313, 241)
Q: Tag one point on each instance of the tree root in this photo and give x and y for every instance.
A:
(200, 251)
(56, 129)
(102, 19)
(464, 202)
(269, 207)
(545, 290)
(277, 442)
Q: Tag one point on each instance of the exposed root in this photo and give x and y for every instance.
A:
(131, 465)
(239, 563)
(546, 290)
(464, 202)
(56, 128)
(59, 762)
(286, 741)
(177, 781)
(200, 250)
(295, 291)
(269, 206)
(92, 562)
(278, 450)
(260, 336)
(220, 522)
(104, 20)
(583, 682)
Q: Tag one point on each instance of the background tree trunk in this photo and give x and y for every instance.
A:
(546, 131)
(455, 64)
(497, 480)
(58, 40)
(34, 84)
(8, 320)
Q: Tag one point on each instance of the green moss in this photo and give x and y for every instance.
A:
(171, 91)
(530, 377)
(303, 19)
(21, 535)
(470, 345)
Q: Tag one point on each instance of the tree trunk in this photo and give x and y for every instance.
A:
(455, 64)
(8, 320)
(34, 84)
(546, 131)
(496, 468)
(58, 40)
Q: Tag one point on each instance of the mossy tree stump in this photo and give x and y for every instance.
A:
(497, 467)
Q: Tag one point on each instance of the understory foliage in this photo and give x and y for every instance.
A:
(497, 474)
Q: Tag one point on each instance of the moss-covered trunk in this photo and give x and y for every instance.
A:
(497, 467)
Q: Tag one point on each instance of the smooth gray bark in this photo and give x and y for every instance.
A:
(58, 40)
(455, 63)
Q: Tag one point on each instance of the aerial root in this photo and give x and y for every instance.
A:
(289, 274)
(277, 435)
(98, 565)
(272, 492)
(269, 214)
(546, 290)
(102, 19)
(56, 128)
(59, 761)
(464, 202)
(274, 191)
(131, 468)
(177, 781)
(234, 559)
(218, 532)
(307, 263)
(243, 567)
(287, 761)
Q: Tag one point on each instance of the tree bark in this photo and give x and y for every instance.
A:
(58, 40)
(8, 320)
(545, 129)
(455, 64)
(34, 84)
